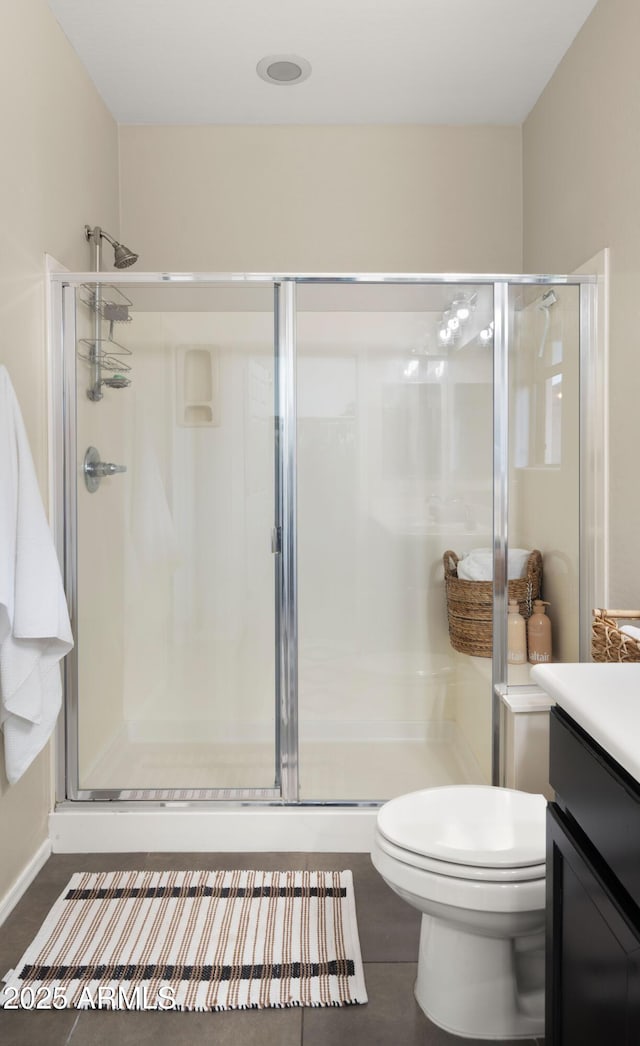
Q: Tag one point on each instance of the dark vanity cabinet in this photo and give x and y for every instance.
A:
(593, 894)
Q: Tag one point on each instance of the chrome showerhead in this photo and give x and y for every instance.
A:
(123, 256)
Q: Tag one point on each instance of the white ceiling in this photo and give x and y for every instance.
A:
(373, 61)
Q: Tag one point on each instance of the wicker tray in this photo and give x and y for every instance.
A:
(608, 643)
(470, 604)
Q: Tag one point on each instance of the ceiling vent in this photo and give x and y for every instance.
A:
(283, 69)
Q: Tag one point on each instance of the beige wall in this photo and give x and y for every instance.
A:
(59, 171)
(582, 193)
(337, 199)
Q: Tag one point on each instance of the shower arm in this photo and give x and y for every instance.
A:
(94, 237)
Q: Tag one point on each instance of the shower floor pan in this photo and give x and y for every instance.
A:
(336, 771)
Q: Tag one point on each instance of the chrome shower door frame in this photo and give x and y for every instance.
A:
(284, 536)
(64, 482)
(285, 541)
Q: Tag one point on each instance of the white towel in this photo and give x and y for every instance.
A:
(632, 631)
(34, 623)
(477, 565)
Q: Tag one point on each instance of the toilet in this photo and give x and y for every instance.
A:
(471, 858)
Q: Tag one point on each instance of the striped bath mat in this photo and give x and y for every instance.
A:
(194, 941)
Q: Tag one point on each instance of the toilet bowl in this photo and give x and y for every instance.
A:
(471, 858)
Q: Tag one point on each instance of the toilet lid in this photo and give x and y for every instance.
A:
(470, 872)
(469, 824)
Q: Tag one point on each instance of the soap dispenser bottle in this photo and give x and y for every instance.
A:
(516, 635)
(539, 634)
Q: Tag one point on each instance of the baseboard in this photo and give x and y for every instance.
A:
(24, 880)
(183, 829)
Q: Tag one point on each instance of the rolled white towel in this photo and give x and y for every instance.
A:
(477, 565)
(632, 631)
(518, 559)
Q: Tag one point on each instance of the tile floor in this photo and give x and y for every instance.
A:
(388, 938)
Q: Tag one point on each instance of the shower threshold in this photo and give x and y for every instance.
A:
(182, 827)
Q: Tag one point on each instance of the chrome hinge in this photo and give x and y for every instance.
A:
(276, 540)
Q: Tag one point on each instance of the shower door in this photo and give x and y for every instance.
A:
(176, 688)
(395, 389)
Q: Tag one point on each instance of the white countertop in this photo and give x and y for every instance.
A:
(604, 699)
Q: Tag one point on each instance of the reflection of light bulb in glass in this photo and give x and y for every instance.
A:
(444, 334)
(411, 368)
(486, 334)
(463, 306)
(453, 323)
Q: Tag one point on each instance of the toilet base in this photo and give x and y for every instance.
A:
(480, 987)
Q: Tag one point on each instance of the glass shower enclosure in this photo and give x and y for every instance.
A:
(259, 477)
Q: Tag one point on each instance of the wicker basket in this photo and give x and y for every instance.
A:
(608, 643)
(470, 604)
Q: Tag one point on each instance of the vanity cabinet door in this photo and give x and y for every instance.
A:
(593, 946)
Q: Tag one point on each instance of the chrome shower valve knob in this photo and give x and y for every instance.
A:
(95, 470)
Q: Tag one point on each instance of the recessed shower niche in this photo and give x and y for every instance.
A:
(197, 385)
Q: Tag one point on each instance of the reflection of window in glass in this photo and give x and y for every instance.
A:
(522, 427)
(553, 420)
(548, 406)
(556, 352)
(536, 414)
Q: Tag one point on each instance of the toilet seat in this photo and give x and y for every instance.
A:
(478, 827)
(457, 892)
(520, 873)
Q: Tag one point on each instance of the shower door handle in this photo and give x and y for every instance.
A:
(276, 540)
